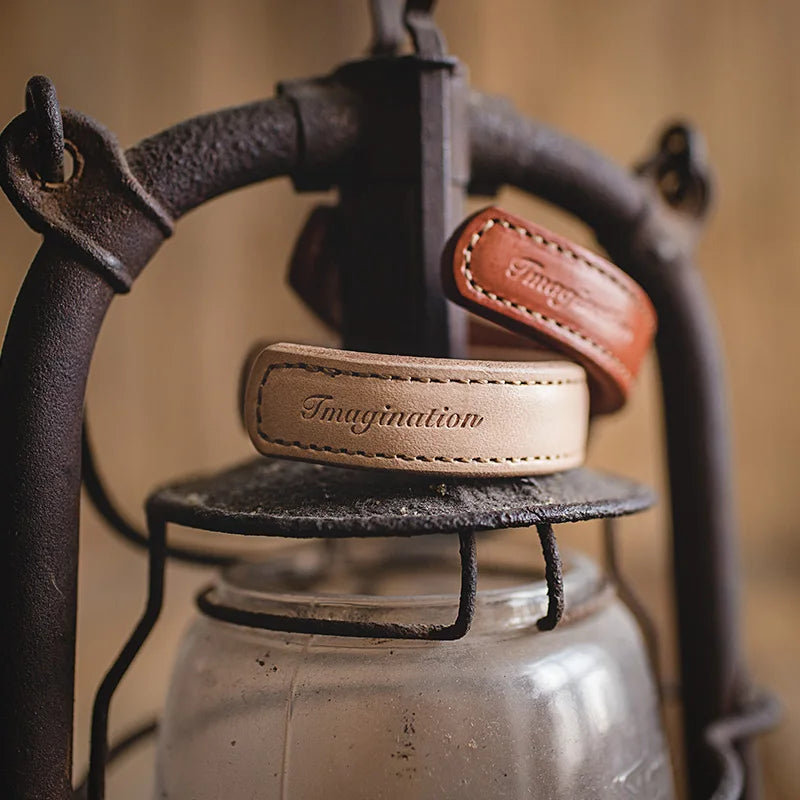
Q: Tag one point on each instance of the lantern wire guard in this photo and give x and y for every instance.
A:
(272, 497)
(103, 223)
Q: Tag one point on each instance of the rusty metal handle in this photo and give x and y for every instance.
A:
(45, 362)
(509, 149)
(652, 235)
(209, 155)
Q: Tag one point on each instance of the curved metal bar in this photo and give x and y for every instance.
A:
(654, 244)
(99, 753)
(121, 747)
(553, 576)
(260, 620)
(759, 714)
(206, 156)
(507, 148)
(115, 518)
(42, 380)
(704, 524)
(45, 362)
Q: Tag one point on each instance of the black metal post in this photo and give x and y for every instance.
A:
(399, 204)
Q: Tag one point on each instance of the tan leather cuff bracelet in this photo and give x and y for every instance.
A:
(536, 283)
(441, 416)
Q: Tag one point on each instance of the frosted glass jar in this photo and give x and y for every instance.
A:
(506, 712)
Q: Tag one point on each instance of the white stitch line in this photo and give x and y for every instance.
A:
(475, 286)
(404, 457)
(334, 372)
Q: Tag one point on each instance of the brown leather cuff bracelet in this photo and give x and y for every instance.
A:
(441, 416)
(536, 283)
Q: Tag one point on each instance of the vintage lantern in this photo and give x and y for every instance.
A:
(345, 668)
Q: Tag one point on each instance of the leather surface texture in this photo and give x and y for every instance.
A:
(439, 416)
(539, 284)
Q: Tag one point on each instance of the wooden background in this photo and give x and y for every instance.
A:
(611, 73)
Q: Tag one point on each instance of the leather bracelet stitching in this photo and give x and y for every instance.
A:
(334, 372)
(475, 286)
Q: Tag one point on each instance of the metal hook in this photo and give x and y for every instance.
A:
(427, 38)
(387, 25)
(42, 103)
(554, 578)
(679, 170)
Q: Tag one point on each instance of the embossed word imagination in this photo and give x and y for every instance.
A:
(321, 407)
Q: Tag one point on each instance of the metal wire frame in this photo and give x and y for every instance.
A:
(108, 509)
(104, 504)
(457, 630)
(100, 753)
(120, 748)
(757, 715)
(554, 578)
(632, 601)
(99, 749)
(363, 629)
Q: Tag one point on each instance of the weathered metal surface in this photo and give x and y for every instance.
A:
(84, 214)
(660, 251)
(274, 497)
(713, 676)
(509, 149)
(402, 196)
(45, 361)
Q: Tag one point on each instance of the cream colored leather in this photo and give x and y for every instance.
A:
(439, 416)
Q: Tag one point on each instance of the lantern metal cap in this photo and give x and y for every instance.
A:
(276, 497)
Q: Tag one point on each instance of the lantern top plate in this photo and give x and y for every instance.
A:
(276, 497)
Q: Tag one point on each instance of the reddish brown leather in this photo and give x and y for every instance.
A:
(539, 284)
(314, 271)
